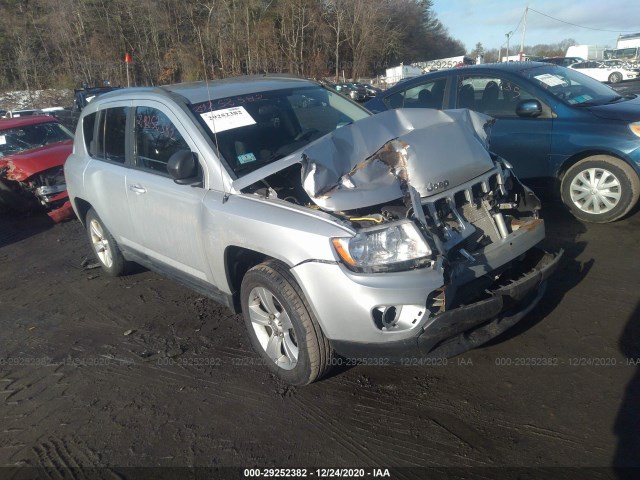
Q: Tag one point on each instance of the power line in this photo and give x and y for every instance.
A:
(580, 26)
(513, 30)
(516, 29)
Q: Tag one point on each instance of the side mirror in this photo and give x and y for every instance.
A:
(529, 108)
(183, 168)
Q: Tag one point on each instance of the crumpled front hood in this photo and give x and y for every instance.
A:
(23, 165)
(379, 158)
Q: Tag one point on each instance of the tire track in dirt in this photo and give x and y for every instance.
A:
(65, 457)
(446, 416)
(33, 398)
(375, 405)
(387, 452)
(325, 426)
(166, 377)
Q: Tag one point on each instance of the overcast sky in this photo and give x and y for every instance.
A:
(488, 21)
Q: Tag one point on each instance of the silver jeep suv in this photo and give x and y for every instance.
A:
(334, 232)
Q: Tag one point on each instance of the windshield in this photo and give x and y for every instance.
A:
(256, 129)
(570, 86)
(30, 137)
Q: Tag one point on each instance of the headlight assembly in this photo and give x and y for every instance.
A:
(635, 128)
(393, 247)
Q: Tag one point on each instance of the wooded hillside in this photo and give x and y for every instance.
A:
(62, 43)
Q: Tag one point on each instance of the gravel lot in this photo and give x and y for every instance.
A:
(138, 371)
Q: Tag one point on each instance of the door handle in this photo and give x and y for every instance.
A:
(137, 189)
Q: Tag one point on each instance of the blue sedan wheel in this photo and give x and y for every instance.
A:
(600, 189)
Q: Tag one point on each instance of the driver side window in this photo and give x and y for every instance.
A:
(494, 96)
(156, 139)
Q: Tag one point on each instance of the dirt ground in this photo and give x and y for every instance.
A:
(138, 371)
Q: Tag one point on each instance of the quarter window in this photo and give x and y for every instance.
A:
(425, 95)
(156, 139)
(88, 124)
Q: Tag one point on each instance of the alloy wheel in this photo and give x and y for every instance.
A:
(273, 327)
(100, 243)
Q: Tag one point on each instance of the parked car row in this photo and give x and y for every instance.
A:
(612, 71)
(19, 113)
(359, 92)
(557, 127)
(607, 71)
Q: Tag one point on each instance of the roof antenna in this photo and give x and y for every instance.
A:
(225, 194)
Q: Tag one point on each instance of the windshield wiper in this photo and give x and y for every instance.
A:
(590, 103)
(593, 103)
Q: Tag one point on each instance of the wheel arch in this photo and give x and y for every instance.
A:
(577, 157)
(82, 208)
(237, 262)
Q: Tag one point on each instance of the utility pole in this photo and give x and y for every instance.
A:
(508, 35)
(524, 29)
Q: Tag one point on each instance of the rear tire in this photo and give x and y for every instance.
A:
(600, 189)
(615, 77)
(104, 246)
(281, 326)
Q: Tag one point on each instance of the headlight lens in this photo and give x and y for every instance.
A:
(398, 246)
(635, 128)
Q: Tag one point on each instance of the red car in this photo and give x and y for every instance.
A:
(32, 154)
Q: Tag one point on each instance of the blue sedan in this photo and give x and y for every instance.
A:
(556, 126)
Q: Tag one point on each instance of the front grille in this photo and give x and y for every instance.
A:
(453, 211)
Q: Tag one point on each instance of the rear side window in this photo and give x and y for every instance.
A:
(425, 95)
(156, 139)
(110, 143)
(88, 125)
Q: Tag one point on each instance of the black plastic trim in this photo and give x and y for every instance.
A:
(464, 328)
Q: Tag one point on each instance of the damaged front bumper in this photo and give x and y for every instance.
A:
(42, 191)
(62, 213)
(469, 326)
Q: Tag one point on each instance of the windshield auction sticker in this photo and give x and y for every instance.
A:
(551, 80)
(227, 119)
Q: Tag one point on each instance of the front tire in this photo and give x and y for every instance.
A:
(104, 246)
(600, 189)
(615, 77)
(281, 326)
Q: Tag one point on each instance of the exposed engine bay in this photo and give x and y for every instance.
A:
(467, 218)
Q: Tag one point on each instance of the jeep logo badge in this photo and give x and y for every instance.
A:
(437, 186)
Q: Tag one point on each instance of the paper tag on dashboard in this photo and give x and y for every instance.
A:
(227, 119)
(551, 80)
(3, 140)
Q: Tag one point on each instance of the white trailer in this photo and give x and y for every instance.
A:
(395, 74)
(450, 62)
(516, 58)
(629, 40)
(588, 52)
